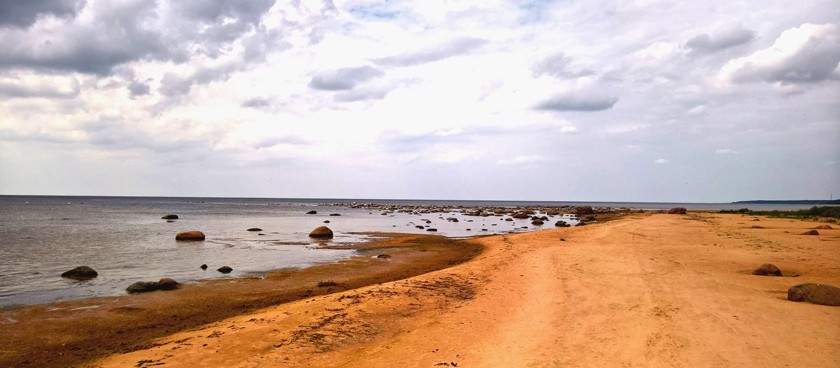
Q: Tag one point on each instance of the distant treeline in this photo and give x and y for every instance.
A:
(800, 201)
(822, 211)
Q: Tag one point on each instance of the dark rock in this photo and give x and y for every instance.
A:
(468, 229)
(584, 210)
(313, 212)
(170, 220)
(80, 273)
(589, 218)
(767, 270)
(321, 232)
(678, 211)
(204, 266)
(811, 232)
(562, 223)
(190, 236)
(142, 287)
(420, 227)
(168, 284)
(327, 283)
(451, 219)
(537, 222)
(824, 227)
(255, 229)
(520, 215)
(508, 219)
(383, 256)
(431, 229)
(224, 269)
(335, 214)
(756, 227)
(170, 217)
(326, 221)
(815, 293)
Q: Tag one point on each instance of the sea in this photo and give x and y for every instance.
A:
(125, 240)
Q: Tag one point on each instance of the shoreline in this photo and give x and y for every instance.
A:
(77, 331)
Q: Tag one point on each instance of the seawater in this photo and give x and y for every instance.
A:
(125, 239)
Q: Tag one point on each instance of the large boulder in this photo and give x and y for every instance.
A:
(190, 236)
(225, 269)
(168, 284)
(520, 215)
(562, 223)
(313, 212)
(815, 293)
(678, 211)
(537, 222)
(584, 210)
(170, 217)
(321, 232)
(767, 269)
(80, 273)
(811, 232)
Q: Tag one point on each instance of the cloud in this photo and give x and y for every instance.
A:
(578, 102)
(174, 84)
(697, 110)
(523, 160)
(454, 47)
(344, 79)
(275, 141)
(256, 102)
(137, 89)
(720, 40)
(725, 151)
(806, 54)
(23, 13)
(661, 161)
(33, 85)
(559, 65)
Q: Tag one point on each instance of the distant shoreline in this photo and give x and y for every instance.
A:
(835, 202)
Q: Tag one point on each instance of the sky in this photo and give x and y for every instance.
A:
(658, 101)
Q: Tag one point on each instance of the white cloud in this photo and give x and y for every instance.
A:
(725, 151)
(805, 54)
(661, 161)
(523, 160)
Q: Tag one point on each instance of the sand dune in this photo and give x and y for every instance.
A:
(647, 290)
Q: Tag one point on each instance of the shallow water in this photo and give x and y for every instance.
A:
(126, 240)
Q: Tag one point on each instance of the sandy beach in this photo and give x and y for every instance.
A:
(646, 290)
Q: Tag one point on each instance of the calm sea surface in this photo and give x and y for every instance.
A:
(125, 239)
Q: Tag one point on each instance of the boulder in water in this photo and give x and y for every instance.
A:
(321, 232)
(80, 273)
(142, 287)
(168, 284)
(562, 223)
(313, 212)
(225, 269)
(204, 266)
(815, 293)
(537, 222)
(170, 217)
(255, 229)
(190, 236)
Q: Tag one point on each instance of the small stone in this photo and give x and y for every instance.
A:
(80, 273)
(255, 229)
(204, 266)
(321, 232)
(190, 236)
(383, 256)
(168, 284)
(313, 212)
(225, 269)
(170, 217)
(431, 229)
(815, 293)
(767, 269)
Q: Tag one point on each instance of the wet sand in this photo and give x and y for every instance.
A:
(646, 290)
(72, 333)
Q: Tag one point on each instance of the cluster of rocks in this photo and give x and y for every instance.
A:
(484, 211)
(809, 292)
(85, 273)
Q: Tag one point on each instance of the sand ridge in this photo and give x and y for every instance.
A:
(647, 290)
